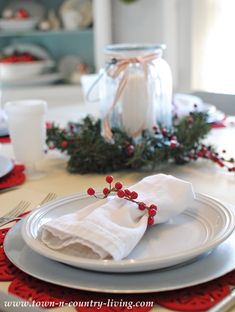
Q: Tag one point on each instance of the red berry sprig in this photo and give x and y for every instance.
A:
(125, 194)
(203, 151)
(22, 14)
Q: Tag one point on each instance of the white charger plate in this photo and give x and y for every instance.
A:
(219, 262)
(6, 165)
(204, 225)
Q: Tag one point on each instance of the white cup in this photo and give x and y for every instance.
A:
(26, 121)
(71, 20)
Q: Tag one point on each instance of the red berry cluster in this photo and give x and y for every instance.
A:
(204, 151)
(170, 139)
(22, 14)
(18, 58)
(125, 194)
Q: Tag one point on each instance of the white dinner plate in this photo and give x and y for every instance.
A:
(219, 262)
(6, 165)
(204, 225)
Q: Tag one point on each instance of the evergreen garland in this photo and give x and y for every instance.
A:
(89, 152)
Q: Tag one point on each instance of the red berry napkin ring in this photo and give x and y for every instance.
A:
(127, 195)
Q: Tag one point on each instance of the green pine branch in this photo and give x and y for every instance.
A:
(89, 152)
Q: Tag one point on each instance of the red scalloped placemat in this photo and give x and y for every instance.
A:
(15, 177)
(196, 298)
(5, 139)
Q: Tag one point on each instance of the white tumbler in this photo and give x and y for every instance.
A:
(26, 121)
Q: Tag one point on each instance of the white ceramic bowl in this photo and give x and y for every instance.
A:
(30, 48)
(18, 71)
(18, 24)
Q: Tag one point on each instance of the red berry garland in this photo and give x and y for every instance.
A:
(125, 194)
(203, 151)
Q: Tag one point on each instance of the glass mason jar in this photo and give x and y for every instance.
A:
(135, 89)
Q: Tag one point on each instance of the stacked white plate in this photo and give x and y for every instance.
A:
(194, 247)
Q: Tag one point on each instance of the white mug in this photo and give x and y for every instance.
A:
(70, 20)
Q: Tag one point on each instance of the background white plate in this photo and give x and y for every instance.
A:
(195, 231)
(6, 165)
(18, 25)
(216, 264)
(43, 79)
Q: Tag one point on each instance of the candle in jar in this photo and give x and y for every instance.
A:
(136, 105)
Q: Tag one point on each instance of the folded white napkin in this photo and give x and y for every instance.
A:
(112, 227)
(183, 104)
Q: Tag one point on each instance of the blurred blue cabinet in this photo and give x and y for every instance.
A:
(58, 43)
